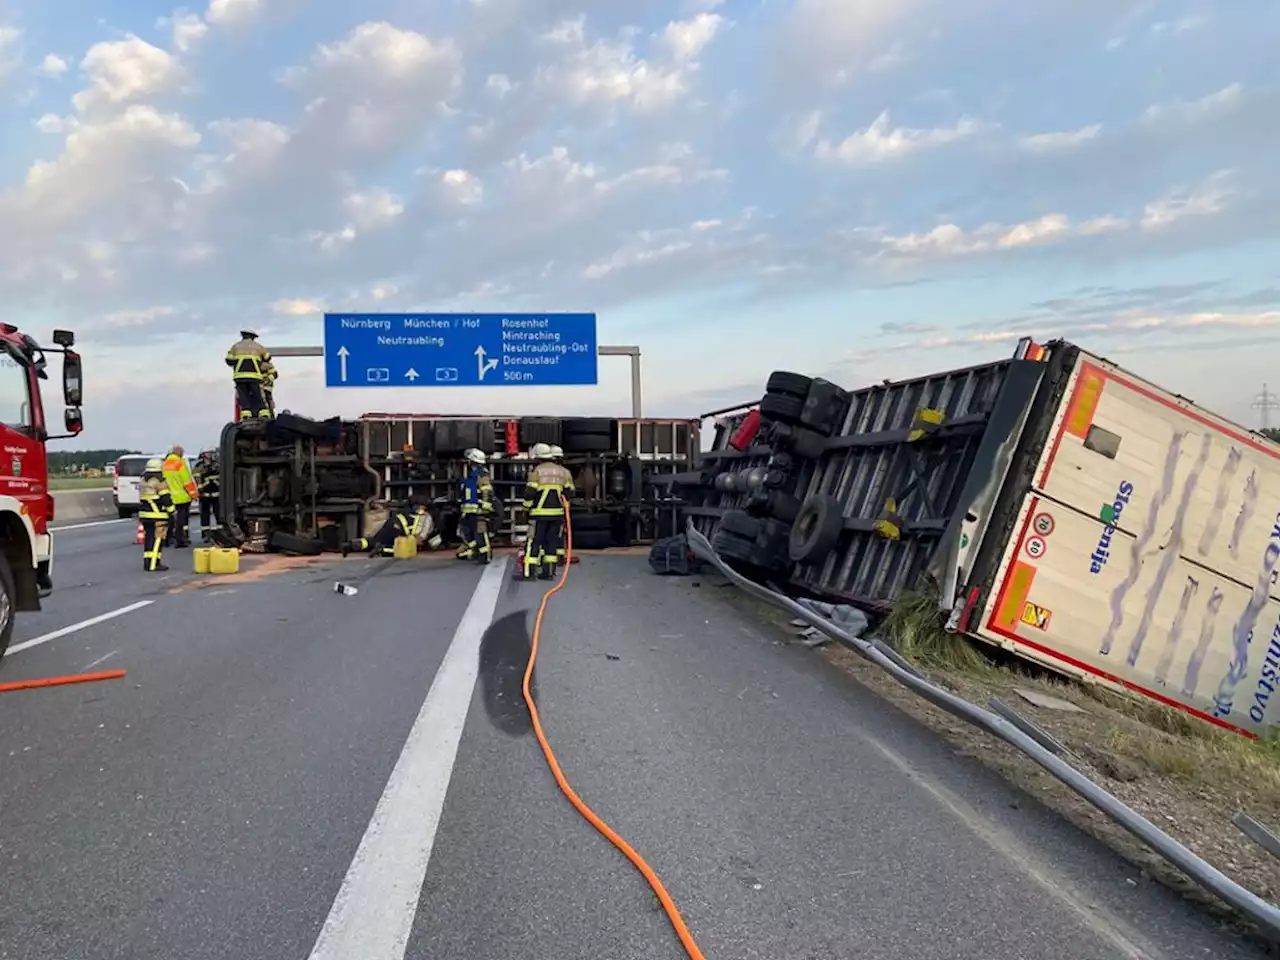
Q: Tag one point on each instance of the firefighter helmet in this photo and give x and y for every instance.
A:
(475, 456)
(557, 452)
(541, 451)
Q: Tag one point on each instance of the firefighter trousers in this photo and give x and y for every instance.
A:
(542, 546)
(249, 396)
(473, 528)
(208, 510)
(153, 537)
(383, 542)
(179, 534)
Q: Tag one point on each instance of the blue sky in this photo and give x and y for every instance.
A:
(859, 189)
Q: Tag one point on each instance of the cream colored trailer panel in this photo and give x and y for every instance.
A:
(1146, 553)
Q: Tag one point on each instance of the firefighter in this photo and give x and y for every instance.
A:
(404, 520)
(557, 454)
(269, 388)
(548, 487)
(207, 479)
(182, 488)
(477, 510)
(250, 364)
(155, 505)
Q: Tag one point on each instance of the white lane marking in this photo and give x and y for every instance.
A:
(372, 916)
(102, 659)
(91, 622)
(81, 526)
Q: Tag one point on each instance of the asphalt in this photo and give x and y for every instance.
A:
(210, 804)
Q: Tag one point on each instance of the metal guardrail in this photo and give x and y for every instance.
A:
(1265, 915)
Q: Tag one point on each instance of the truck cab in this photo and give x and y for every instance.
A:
(26, 505)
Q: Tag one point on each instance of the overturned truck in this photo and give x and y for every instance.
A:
(303, 486)
(1063, 509)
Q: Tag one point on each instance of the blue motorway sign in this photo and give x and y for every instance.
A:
(460, 349)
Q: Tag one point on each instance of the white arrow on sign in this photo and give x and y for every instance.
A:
(411, 375)
(483, 366)
(343, 353)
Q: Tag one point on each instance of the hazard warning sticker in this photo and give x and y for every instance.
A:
(1034, 616)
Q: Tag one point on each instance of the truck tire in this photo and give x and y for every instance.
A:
(781, 408)
(587, 442)
(776, 504)
(791, 384)
(294, 544)
(124, 512)
(817, 529)
(588, 426)
(8, 603)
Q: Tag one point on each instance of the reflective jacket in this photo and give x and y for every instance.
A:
(154, 500)
(178, 475)
(548, 487)
(207, 478)
(477, 492)
(249, 360)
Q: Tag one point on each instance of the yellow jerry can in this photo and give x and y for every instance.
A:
(405, 547)
(200, 559)
(224, 560)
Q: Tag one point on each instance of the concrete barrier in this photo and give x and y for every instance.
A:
(82, 506)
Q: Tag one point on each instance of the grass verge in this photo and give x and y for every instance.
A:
(1184, 775)
(79, 483)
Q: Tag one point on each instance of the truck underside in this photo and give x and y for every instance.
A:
(303, 486)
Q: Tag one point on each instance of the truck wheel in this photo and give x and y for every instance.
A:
(125, 512)
(817, 529)
(8, 603)
(781, 408)
(300, 546)
(792, 384)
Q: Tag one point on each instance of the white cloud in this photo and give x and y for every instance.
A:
(462, 186)
(608, 72)
(1062, 141)
(233, 13)
(686, 39)
(375, 89)
(51, 123)
(124, 71)
(188, 30)
(881, 141)
(10, 50)
(1223, 102)
(297, 308)
(373, 209)
(1204, 199)
(499, 84)
(53, 65)
(822, 39)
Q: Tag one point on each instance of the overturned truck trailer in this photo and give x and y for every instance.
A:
(302, 486)
(1065, 510)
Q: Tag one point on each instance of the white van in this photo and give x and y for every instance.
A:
(125, 482)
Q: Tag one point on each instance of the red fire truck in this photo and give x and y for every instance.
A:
(26, 505)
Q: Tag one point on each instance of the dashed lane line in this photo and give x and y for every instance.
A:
(76, 627)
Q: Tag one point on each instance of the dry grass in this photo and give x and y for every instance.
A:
(916, 629)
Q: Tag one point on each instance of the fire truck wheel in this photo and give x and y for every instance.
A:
(8, 601)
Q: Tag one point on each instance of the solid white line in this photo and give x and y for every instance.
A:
(372, 916)
(91, 622)
(81, 526)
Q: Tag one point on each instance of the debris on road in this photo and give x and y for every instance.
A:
(61, 681)
(345, 589)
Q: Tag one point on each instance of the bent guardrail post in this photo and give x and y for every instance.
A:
(1258, 833)
(1265, 915)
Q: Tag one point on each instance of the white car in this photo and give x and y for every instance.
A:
(128, 477)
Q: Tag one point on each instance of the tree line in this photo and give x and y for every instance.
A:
(74, 461)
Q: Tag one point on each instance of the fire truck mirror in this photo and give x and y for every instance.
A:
(71, 381)
(72, 419)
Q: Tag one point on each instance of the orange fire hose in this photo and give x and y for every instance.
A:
(668, 905)
(61, 681)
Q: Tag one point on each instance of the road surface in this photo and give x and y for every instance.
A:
(287, 772)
